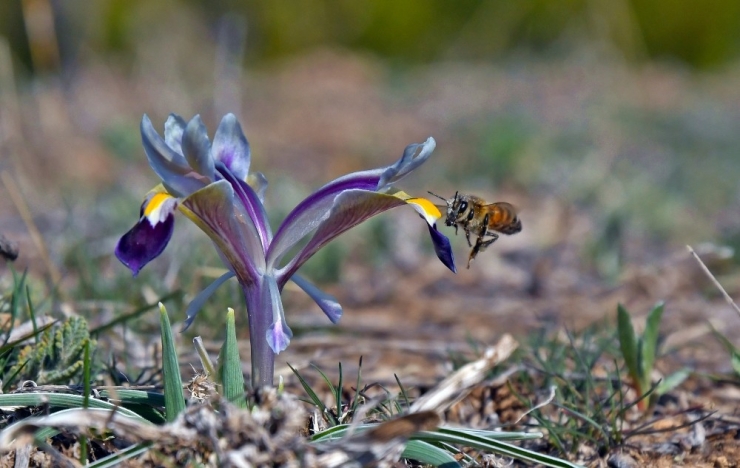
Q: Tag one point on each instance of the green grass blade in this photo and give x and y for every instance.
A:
(650, 342)
(429, 454)
(232, 377)
(205, 360)
(59, 400)
(356, 400)
(115, 459)
(314, 397)
(174, 401)
(672, 381)
(338, 393)
(86, 398)
(628, 343)
(462, 438)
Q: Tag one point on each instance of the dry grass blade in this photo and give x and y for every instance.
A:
(453, 387)
(714, 280)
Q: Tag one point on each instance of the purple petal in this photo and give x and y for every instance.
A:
(231, 148)
(442, 248)
(214, 210)
(252, 204)
(197, 303)
(258, 182)
(314, 209)
(326, 302)
(174, 127)
(144, 242)
(413, 157)
(351, 208)
(197, 148)
(278, 334)
(169, 165)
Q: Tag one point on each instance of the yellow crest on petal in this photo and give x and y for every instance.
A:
(424, 207)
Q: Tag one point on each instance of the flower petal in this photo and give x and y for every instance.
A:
(430, 213)
(278, 334)
(252, 204)
(169, 165)
(174, 127)
(316, 207)
(149, 237)
(413, 156)
(231, 148)
(214, 210)
(442, 247)
(197, 148)
(351, 208)
(309, 213)
(326, 302)
(197, 303)
(258, 182)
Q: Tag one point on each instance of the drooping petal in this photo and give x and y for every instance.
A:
(351, 208)
(413, 156)
(231, 148)
(278, 334)
(174, 127)
(197, 148)
(214, 210)
(197, 303)
(169, 165)
(442, 247)
(316, 207)
(149, 237)
(328, 303)
(430, 213)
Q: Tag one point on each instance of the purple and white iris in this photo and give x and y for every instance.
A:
(209, 182)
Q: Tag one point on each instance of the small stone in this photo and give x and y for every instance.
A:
(621, 460)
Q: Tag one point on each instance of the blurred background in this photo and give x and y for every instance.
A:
(612, 125)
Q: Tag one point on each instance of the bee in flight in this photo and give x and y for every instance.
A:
(481, 219)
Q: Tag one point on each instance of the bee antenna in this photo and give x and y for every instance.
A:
(441, 198)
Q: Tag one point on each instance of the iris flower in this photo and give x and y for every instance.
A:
(209, 182)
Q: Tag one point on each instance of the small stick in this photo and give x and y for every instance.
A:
(25, 212)
(714, 280)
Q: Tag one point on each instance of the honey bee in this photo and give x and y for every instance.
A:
(481, 219)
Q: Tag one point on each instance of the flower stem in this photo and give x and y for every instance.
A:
(263, 359)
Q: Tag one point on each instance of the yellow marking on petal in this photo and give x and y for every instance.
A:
(429, 208)
(155, 202)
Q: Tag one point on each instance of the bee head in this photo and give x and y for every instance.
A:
(450, 202)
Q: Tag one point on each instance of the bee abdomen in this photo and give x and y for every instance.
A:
(513, 227)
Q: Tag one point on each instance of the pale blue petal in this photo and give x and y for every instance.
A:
(174, 127)
(413, 156)
(328, 303)
(231, 148)
(196, 147)
(197, 303)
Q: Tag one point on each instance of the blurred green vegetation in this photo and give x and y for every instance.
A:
(701, 35)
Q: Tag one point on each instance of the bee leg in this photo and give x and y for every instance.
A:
(484, 244)
(477, 249)
(467, 236)
(455, 229)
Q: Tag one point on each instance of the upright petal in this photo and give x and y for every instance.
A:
(413, 157)
(149, 237)
(231, 148)
(197, 148)
(258, 182)
(169, 165)
(214, 210)
(174, 127)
